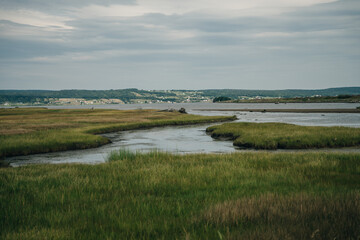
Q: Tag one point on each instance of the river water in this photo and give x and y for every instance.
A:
(193, 139)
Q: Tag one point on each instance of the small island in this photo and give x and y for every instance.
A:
(285, 136)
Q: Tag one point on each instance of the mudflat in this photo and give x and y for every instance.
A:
(339, 110)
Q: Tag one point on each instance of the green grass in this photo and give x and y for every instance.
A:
(286, 136)
(37, 130)
(204, 196)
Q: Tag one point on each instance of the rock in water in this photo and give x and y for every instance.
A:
(182, 110)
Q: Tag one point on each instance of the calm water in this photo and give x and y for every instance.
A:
(192, 106)
(192, 139)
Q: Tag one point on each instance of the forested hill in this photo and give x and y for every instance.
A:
(86, 94)
(132, 95)
(125, 95)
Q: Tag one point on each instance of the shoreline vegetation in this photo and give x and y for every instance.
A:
(293, 110)
(160, 195)
(285, 136)
(343, 98)
(25, 131)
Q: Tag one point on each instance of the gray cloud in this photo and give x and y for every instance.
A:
(58, 6)
(308, 47)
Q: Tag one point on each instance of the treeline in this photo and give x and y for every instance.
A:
(16, 96)
(221, 99)
(20, 99)
(87, 94)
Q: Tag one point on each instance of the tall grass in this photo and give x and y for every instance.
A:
(31, 130)
(202, 196)
(286, 136)
(122, 154)
(304, 216)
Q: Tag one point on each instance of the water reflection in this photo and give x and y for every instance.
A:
(175, 139)
(304, 119)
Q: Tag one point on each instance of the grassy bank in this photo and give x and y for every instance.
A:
(165, 196)
(37, 130)
(286, 136)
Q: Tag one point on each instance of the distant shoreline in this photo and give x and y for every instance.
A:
(287, 110)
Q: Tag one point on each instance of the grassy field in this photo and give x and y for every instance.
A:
(38, 130)
(286, 136)
(202, 196)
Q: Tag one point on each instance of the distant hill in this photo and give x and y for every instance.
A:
(133, 95)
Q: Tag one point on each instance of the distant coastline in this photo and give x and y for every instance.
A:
(138, 96)
(314, 99)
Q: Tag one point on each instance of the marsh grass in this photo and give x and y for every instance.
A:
(286, 136)
(304, 217)
(122, 154)
(36, 130)
(199, 196)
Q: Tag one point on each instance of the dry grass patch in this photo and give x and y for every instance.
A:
(301, 216)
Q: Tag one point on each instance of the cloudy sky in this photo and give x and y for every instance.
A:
(188, 44)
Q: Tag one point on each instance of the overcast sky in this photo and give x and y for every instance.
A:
(188, 44)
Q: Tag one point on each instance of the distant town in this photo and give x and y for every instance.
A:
(136, 96)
